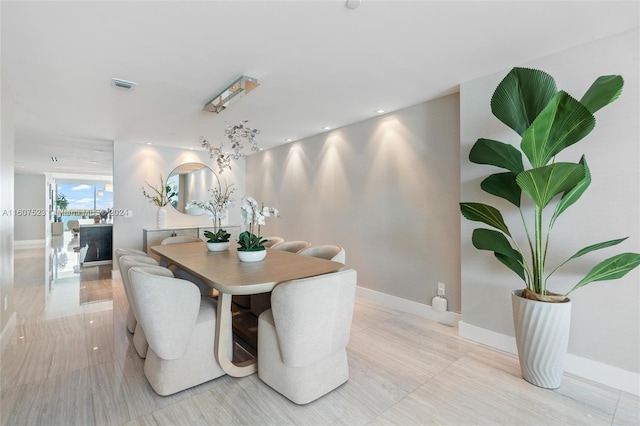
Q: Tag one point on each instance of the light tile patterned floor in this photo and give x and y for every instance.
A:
(74, 364)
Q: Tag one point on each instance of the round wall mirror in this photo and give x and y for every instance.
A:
(191, 182)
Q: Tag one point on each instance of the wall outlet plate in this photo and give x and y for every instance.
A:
(441, 289)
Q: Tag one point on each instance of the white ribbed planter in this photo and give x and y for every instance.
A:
(161, 217)
(542, 337)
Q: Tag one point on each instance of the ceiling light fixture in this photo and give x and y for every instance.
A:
(230, 94)
(288, 140)
(235, 134)
(326, 128)
(380, 111)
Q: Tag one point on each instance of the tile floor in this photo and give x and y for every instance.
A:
(71, 362)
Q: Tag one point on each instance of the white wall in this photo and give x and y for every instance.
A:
(135, 164)
(7, 317)
(30, 199)
(385, 189)
(605, 317)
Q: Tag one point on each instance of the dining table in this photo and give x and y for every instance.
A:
(223, 271)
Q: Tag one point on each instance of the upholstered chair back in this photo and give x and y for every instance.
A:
(271, 241)
(128, 251)
(167, 309)
(292, 246)
(329, 252)
(180, 239)
(312, 316)
(126, 262)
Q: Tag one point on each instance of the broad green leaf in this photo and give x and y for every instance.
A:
(571, 196)
(503, 185)
(610, 269)
(562, 123)
(521, 96)
(544, 183)
(488, 239)
(603, 91)
(479, 212)
(512, 264)
(488, 151)
(598, 246)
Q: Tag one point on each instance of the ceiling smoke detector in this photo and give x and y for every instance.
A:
(123, 84)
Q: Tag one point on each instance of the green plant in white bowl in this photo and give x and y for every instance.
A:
(254, 217)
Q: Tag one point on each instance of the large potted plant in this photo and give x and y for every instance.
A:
(548, 121)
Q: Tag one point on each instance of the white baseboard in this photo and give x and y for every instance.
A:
(617, 378)
(7, 333)
(411, 307)
(26, 244)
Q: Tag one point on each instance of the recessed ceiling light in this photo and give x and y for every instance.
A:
(149, 143)
(93, 162)
(380, 111)
(288, 140)
(326, 128)
(191, 148)
(123, 84)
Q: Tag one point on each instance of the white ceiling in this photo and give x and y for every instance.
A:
(318, 64)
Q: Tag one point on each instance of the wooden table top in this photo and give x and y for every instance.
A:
(225, 272)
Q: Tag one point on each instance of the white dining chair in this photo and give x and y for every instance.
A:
(271, 241)
(329, 252)
(261, 302)
(291, 246)
(126, 263)
(119, 252)
(302, 339)
(180, 326)
(205, 289)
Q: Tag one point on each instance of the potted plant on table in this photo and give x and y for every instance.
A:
(548, 121)
(218, 241)
(217, 208)
(251, 245)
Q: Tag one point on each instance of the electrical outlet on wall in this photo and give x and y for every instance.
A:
(441, 287)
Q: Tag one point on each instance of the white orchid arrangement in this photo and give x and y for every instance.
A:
(253, 216)
(217, 207)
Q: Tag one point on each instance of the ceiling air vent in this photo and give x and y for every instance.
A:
(123, 84)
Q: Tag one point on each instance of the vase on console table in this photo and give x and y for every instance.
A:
(161, 217)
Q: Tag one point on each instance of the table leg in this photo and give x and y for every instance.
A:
(223, 328)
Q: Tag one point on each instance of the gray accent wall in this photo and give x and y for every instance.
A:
(605, 316)
(386, 189)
